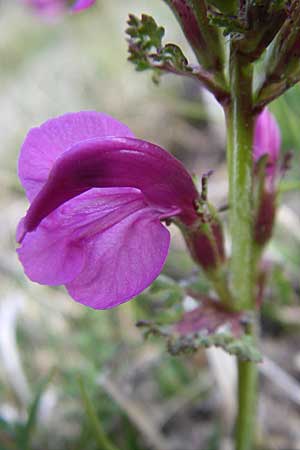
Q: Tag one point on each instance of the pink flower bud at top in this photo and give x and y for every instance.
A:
(267, 140)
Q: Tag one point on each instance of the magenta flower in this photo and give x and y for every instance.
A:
(98, 198)
(267, 140)
(53, 8)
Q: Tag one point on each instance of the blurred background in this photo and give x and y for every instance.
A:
(61, 362)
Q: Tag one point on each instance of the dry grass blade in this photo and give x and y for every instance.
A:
(137, 414)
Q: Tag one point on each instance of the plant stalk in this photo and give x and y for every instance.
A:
(247, 397)
(240, 125)
(240, 128)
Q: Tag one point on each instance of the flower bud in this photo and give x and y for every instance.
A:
(206, 244)
(265, 218)
(267, 140)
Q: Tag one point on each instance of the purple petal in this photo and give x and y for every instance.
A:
(116, 162)
(44, 144)
(80, 5)
(65, 228)
(267, 139)
(107, 245)
(49, 256)
(122, 262)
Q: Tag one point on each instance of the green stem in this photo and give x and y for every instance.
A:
(240, 123)
(247, 393)
(218, 280)
(240, 126)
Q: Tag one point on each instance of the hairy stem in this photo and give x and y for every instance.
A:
(240, 126)
(247, 387)
(240, 123)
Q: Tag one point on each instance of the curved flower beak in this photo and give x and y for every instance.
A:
(116, 162)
